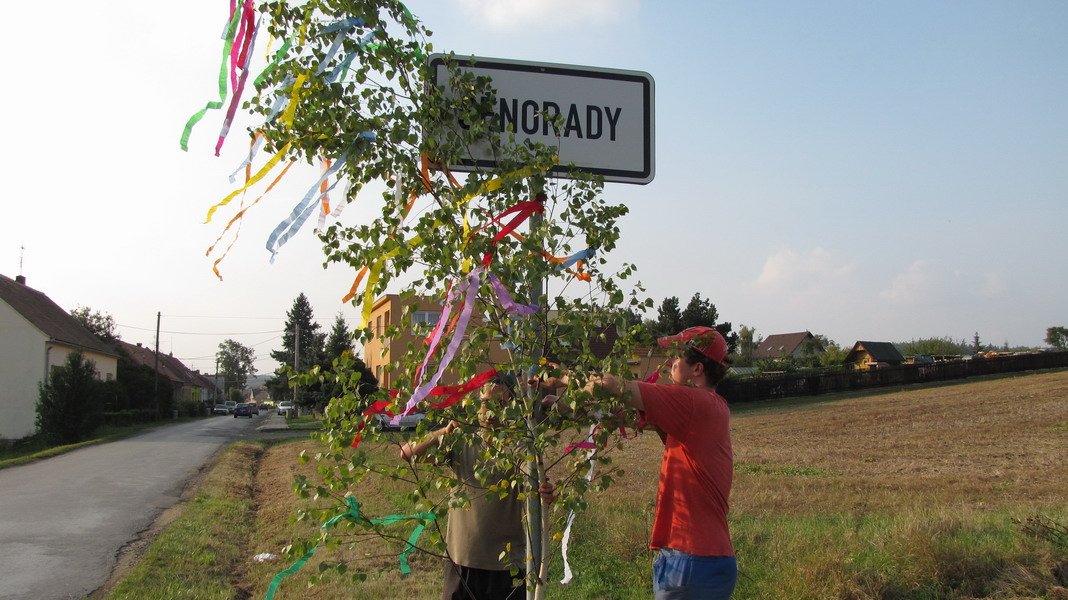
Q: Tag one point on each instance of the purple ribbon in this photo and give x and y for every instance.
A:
(506, 300)
(470, 289)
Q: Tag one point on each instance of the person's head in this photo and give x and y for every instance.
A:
(703, 356)
(495, 394)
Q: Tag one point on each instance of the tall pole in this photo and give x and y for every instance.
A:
(296, 360)
(534, 471)
(155, 384)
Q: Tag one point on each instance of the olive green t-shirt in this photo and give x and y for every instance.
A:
(478, 533)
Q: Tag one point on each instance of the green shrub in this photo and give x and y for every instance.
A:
(70, 403)
(191, 408)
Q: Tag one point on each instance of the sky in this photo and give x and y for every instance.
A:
(862, 170)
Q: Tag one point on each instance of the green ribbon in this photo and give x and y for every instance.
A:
(231, 29)
(353, 514)
(278, 56)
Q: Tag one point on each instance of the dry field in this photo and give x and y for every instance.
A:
(920, 493)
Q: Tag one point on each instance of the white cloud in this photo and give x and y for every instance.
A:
(811, 273)
(512, 14)
(994, 284)
(916, 285)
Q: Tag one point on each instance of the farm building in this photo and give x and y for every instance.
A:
(870, 355)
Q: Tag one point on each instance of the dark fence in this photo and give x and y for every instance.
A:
(811, 383)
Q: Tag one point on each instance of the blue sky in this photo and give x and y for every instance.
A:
(864, 170)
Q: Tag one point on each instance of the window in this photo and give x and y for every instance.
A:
(378, 326)
(109, 377)
(426, 317)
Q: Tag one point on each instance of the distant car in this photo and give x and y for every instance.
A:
(220, 409)
(254, 408)
(410, 421)
(264, 406)
(243, 410)
(230, 406)
(285, 407)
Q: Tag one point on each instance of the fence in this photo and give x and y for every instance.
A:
(768, 387)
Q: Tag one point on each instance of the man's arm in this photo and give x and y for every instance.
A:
(411, 451)
(616, 386)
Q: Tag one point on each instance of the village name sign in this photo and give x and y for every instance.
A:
(606, 126)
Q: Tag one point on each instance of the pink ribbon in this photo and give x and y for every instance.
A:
(506, 300)
(470, 290)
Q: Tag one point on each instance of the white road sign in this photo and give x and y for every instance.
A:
(607, 114)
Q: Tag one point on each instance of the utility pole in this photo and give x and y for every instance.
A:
(296, 361)
(155, 384)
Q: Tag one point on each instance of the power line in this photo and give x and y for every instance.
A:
(202, 332)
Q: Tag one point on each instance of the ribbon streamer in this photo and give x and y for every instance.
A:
(228, 41)
(452, 393)
(353, 514)
(470, 290)
(255, 179)
(291, 224)
(239, 87)
(506, 301)
(566, 539)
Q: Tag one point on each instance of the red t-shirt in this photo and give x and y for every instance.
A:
(696, 472)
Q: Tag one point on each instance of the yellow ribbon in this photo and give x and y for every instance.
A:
(255, 179)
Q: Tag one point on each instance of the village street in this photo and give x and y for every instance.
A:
(64, 519)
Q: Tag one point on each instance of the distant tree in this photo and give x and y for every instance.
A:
(300, 321)
(338, 340)
(1057, 337)
(235, 364)
(100, 324)
(934, 346)
(70, 402)
(668, 317)
(699, 312)
(339, 348)
(831, 354)
(747, 345)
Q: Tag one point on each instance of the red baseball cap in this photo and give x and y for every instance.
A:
(705, 340)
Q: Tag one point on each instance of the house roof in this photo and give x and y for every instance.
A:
(48, 317)
(169, 366)
(879, 352)
(780, 344)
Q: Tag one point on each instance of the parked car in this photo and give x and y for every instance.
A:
(285, 407)
(254, 408)
(410, 421)
(220, 409)
(230, 406)
(243, 410)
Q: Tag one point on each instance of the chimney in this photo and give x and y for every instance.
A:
(20, 279)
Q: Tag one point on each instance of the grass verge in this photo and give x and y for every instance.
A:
(199, 555)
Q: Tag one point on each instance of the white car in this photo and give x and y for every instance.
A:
(285, 407)
(410, 421)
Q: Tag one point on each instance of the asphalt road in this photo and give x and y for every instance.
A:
(63, 520)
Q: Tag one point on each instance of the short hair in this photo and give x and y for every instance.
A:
(506, 379)
(714, 371)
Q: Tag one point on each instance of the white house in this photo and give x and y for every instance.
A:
(36, 336)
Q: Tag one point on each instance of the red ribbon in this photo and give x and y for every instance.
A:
(522, 212)
(453, 394)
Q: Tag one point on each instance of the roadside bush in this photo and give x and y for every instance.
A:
(70, 403)
(191, 408)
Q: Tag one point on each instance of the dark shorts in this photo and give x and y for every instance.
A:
(469, 583)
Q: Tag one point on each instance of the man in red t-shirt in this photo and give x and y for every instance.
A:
(695, 557)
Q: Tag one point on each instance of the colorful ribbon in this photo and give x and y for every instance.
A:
(239, 87)
(469, 289)
(228, 42)
(255, 179)
(452, 393)
(353, 514)
(300, 213)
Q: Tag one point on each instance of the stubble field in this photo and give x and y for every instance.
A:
(937, 492)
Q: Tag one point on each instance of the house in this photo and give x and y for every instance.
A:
(185, 383)
(870, 355)
(782, 345)
(36, 336)
(387, 311)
